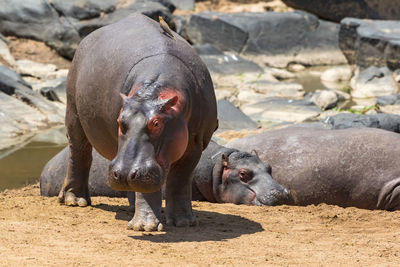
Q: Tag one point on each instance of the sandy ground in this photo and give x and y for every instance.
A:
(37, 231)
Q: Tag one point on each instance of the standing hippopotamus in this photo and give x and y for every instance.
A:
(352, 167)
(223, 175)
(145, 101)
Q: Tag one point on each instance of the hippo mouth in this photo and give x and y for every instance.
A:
(274, 198)
(146, 179)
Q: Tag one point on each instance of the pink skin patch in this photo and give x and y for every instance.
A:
(177, 145)
(168, 93)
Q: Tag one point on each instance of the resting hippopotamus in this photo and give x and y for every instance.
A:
(351, 167)
(223, 175)
(146, 102)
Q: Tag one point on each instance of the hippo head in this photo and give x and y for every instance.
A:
(152, 134)
(242, 178)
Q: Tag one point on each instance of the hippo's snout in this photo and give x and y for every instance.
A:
(276, 196)
(146, 178)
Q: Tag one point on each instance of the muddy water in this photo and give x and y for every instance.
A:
(24, 166)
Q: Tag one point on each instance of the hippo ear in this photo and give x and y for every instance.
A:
(224, 159)
(124, 97)
(168, 103)
(269, 169)
(254, 153)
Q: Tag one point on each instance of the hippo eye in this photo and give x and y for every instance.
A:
(122, 127)
(245, 175)
(155, 125)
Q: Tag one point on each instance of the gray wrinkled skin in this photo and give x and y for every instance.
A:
(162, 96)
(208, 184)
(351, 167)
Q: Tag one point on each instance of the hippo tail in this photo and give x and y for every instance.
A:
(389, 196)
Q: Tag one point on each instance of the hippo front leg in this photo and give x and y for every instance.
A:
(179, 190)
(147, 212)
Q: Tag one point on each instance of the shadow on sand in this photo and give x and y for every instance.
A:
(212, 226)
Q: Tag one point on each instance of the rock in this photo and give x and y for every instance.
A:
(217, 30)
(35, 69)
(368, 43)
(148, 8)
(229, 63)
(337, 10)
(337, 74)
(274, 89)
(342, 95)
(392, 109)
(236, 81)
(55, 114)
(293, 36)
(37, 19)
(17, 120)
(295, 67)
(49, 93)
(373, 82)
(57, 85)
(388, 122)
(280, 74)
(10, 80)
(56, 136)
(277, 110)
(207, 49)
(5, 52)
(396, 75)
(183, 4)
(222, 94)
(59, 23)
(388, 100)
(325, 99)
(231, 118)
(84, 9)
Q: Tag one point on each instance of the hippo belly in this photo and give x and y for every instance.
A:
(352, 167)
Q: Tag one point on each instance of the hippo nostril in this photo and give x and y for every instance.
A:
(115, 175)
(132, 175)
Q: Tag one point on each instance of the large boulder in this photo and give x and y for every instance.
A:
(278, 110)
(388, 122)
(298, 36)
(368, 43)
(373, 82)
(336, 10)
(232, 118)
(62, 24)
(38, 20)
(84, 9)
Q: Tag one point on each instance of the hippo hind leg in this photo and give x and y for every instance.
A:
(75, 189)
(389, 196)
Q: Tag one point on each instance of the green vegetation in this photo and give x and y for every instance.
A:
(357, 111)
(346, 89)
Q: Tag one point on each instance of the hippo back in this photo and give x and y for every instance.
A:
(342, 167)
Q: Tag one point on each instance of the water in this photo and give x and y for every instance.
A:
(310, 78)
(23, 166)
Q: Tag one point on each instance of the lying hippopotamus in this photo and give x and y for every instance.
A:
(223, 175)
(352, 167)
(145, 101)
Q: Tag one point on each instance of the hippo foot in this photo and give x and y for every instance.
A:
(182, 220)
(70, 199)
(146, 223)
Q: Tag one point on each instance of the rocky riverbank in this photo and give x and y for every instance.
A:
(258, 55)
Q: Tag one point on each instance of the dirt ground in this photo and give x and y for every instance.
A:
(37, 231)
